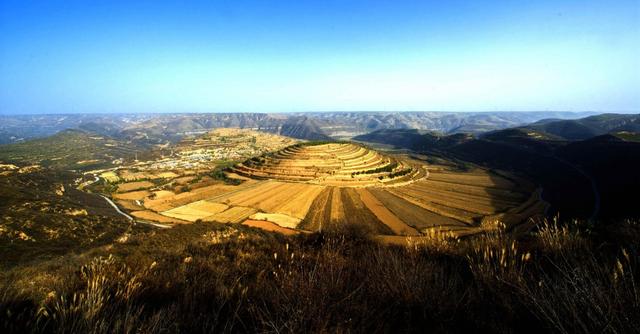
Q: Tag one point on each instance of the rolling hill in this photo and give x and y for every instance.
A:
(584, 128)
(43, 216)
(69, 149)
(589, 178)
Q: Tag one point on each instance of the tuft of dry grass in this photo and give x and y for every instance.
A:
(231, 278)
(558, 238)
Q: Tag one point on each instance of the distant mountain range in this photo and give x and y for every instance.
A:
(157, 128)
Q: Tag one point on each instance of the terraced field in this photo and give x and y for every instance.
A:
(334, 164)
(306, 188)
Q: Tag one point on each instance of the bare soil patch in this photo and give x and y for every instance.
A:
(277, 218)
(269, 226)
(387, 217)
(410, 213)
(129, 205)
(165, 203)
(130, 186)
(319, 212)
(357, 213)
(337, 210)
(134, 195)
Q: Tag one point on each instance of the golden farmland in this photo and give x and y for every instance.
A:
(306, 187)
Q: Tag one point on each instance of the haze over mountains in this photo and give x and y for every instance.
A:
(157, 128)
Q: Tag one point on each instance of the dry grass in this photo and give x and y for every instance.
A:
(269, 226)
(231, 278)
(558, 238)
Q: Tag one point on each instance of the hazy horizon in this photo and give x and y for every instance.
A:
(70, 57)
(319, 112)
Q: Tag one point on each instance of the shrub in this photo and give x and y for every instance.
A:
(207, 277)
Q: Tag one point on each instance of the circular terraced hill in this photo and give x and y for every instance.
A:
(335, 164)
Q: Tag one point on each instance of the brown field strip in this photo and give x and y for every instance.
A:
(277, 218)
(357, 213)
(529, 209)
(412, 214)
(269, 199)
(386, 216)
(196, 210)
(255, 195)
(482, 180)
(446, 211)
(132, 176)
(129, 205)
(134, 195)
(234, 214)
(220, 197)
(162, 194)
(318, 212)
(337, 210)
(184, 179)
(130, 186)
(480, 205)
(472, 189)
(269, 226)
(169, 202)
(293, 199)
(299, 205)
(354, 211)
(473, 208)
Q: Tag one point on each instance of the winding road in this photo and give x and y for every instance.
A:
(115, 207)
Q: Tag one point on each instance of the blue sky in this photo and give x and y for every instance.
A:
(282, 56)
